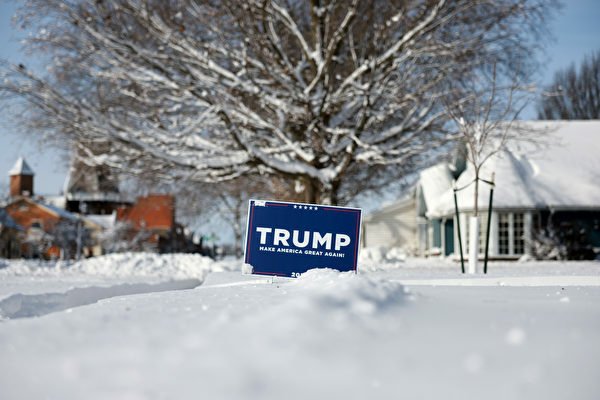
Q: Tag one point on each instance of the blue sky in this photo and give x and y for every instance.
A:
(576, 33)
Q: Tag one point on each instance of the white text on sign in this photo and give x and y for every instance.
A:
(281, 237)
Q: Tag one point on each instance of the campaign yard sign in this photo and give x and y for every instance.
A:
(287, 239)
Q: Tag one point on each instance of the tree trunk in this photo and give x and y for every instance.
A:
(476, 208)
(317, 193)
(237, 227)
(474, 229)
(238, 243)
(312, 191)
(334, 197)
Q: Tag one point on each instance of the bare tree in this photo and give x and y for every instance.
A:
(339, 94)
(485, 112)
(573, 94)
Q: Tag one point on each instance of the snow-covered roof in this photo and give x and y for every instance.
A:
(561, 173)
(59, 211)
(21, 168)
(433, 182)
(393, 207)
(98, 196)
(57, 201)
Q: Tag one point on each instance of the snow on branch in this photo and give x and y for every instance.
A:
(314, 91)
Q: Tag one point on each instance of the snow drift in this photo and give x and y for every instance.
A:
(122, 265)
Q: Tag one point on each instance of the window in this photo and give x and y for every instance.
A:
(503, 234)
(511, 233)
(36, 224)
(519, 233)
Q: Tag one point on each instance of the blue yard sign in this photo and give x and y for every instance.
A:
(287, 239)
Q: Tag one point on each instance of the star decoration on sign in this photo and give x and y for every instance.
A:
(301, 207)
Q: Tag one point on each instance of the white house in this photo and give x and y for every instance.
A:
(555, 183)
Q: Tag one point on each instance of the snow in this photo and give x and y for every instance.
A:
(61, 212)
(118, 265)
(21, 168)
(146, 326)
(434, 182)
(59, 201)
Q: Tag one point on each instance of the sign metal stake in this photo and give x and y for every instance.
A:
(462, 259)
(489, 220)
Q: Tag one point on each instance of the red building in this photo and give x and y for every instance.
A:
(154, 216)
(45, 227)
(21, 179)
(100, 223)
(152, 212)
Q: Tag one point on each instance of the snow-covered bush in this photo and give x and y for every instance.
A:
(547, 245)
(375, 258)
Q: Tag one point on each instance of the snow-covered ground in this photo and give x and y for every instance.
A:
(143, 326)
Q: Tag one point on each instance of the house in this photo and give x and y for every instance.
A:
(549, 190)
(88, 218)
(148, 223)
(393, 226)
(49, 231)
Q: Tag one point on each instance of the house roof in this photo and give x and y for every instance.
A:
(21, 168)
(433, 183)
(561, 173)
(392, 208)
(58, 211)
(48, 208)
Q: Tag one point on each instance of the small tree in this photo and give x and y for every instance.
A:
(574, 94)
(484, 112)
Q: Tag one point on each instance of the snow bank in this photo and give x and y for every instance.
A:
(322, 295)
(122, 265)
(328, 288)
(9, 268)
(176, 266)
(324, 335)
